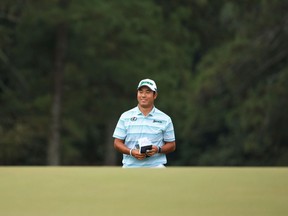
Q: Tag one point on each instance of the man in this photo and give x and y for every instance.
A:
(144, 125)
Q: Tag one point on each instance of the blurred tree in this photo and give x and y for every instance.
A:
(61, 37)
(231, 103)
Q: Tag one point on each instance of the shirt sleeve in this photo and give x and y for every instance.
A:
(169, 135)
(120, 131)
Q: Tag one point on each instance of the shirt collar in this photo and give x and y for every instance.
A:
(150, 114)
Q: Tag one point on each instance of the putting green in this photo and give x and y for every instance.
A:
(113, 191)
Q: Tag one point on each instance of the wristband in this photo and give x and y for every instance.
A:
(131, 151)
(159, 149)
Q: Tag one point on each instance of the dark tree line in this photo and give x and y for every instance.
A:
(68, 69)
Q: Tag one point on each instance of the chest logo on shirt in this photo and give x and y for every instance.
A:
(157, 121)
(133, 119)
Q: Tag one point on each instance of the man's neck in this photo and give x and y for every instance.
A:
(145, 110)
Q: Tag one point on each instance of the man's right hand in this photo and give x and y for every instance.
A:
(135, 153)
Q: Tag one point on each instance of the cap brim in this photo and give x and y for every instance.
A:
(148, 87)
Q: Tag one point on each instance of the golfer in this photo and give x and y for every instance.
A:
(144, 125)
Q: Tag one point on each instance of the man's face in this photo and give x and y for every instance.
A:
(146, 97)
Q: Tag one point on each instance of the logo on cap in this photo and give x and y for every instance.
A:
(146, 82)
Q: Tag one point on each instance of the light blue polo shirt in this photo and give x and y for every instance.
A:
(156, 126)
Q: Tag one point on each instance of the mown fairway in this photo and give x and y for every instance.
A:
(111, 191)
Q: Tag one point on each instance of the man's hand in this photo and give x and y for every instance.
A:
(135, 153)
(153, 151)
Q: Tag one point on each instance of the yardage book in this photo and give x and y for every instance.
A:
(144, 145)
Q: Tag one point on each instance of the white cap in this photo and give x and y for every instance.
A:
(149, 83)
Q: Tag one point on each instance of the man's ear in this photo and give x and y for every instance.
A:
(155, 95)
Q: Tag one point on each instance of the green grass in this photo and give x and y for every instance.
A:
(113, 191)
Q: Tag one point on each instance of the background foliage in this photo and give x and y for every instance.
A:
(221, 68)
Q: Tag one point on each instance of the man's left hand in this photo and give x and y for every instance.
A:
(153, 151)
